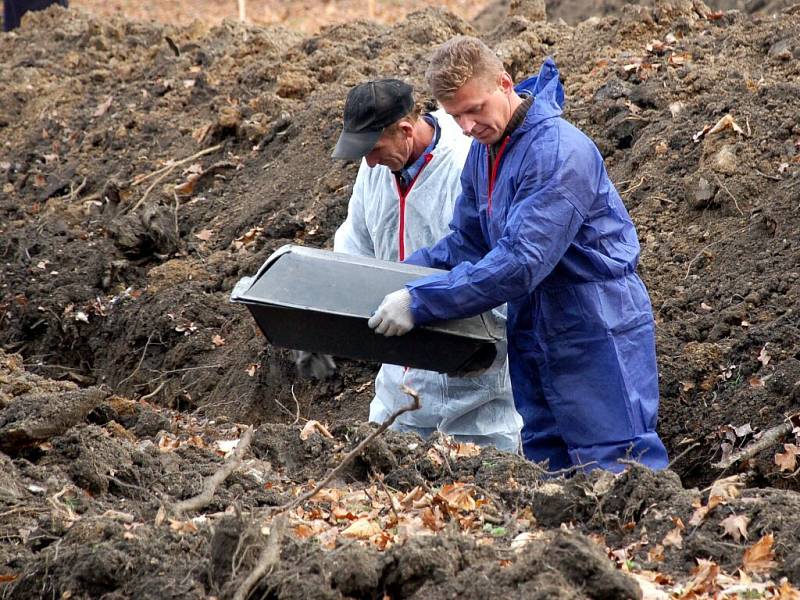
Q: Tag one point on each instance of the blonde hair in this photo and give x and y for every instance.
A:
(457, 61)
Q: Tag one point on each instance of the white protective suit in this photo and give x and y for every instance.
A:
(477, 409)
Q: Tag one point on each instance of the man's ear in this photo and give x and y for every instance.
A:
(506, 84)
(407, 127)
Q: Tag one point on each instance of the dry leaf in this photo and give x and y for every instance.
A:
(656, 554)
(196, 441)
(243, 241)
(313, 428)
(704, 580)
(756, 382)
(204, 234)
(724, 123)
(458, 496)
(758, 557)
(657, 47)
(218, 340)
(699, 516)
(362, 529)
(787, 461)
(726, 488)
(735, 526)
(331, 495)
(522, 540)
(787, 592)
(226, 446)
(201, 133)
(182, 526)
(701, 134)
(187, 187)
(7, 578)
(303, 531)
(340, 514)
(702, 511)
(678, 59)
(649, 589)
(635, 110)
(763, 357)
(251, 370)
(467, 449)
(167, 443)
(432, 518)
(435, 456)
(673, 538)
(103, 107)
(327, 539)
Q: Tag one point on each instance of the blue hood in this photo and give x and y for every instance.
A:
(547, 91)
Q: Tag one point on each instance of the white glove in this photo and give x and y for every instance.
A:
(393, 316)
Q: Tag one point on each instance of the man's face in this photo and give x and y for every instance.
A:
(393, 148)
(481, 107)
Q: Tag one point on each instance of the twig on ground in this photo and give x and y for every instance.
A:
(270, 555)
(154, 392)
(633, 187)
(719, 241)
(297, 404)
(161, 173)
(773, 177)
(354, 452)
(74, 191)
(177, 229)
(141, 360)
(770, 437)
(727, 191)
(170, 166)
(379, 479)
(682, 454)
(271, 552)
(212, 483)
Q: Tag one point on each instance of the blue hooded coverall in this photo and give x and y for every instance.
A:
(547, 233)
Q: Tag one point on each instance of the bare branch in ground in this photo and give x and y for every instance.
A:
(770, 437)
(270, 556)
(354, 452)
(212, 483)
(162, 173)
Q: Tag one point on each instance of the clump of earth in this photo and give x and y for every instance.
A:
(146, 168)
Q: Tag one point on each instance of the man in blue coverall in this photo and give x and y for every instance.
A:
(539, 225)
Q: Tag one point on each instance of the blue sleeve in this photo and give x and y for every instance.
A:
(543, 220)
(465, 242)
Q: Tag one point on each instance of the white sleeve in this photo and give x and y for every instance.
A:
(353, 236)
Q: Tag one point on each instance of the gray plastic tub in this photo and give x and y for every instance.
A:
(320, 301)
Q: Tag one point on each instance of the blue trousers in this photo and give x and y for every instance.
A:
(585, 380)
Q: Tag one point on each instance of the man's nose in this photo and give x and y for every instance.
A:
(466, 124)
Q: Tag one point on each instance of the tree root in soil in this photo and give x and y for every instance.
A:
(770, 437)
(270, 554)
(212, 483)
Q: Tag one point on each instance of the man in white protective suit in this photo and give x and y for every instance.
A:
(403, 200)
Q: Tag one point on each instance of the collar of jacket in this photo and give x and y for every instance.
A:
(548, 96)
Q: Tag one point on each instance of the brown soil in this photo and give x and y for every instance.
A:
(115, 279)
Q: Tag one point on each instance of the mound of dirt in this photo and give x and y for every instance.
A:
(146, 168)
(93, 512)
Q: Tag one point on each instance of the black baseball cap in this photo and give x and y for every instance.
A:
(370, 108)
